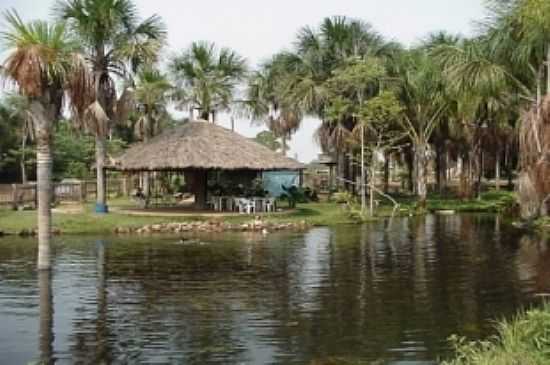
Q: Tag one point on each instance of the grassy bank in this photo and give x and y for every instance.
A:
(87, 222)
(490, 202)
(318, 214)
(523, 340)
(543, 224)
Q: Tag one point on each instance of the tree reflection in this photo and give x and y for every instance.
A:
(292, 297)
(46, 336)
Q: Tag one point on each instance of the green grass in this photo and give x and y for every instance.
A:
(317, 214)
(524, 340)
(543, 224)
(91, 223)
(492, 201)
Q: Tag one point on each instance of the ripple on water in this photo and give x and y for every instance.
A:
(354, 293)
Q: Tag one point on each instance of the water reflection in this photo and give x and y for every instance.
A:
(350, 293)
(46, 317)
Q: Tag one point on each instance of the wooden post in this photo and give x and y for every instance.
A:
(14, 195)
(83, 191)
(198, 180)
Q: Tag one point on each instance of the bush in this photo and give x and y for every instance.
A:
(343, 197)
(295, 195)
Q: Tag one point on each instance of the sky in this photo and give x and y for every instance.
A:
(257, 29)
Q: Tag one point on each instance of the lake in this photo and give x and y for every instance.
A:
(339, 295)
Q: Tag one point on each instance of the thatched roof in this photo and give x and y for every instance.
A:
(202, 145)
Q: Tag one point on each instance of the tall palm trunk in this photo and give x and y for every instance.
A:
(23, 160)
(100, 71)
(340, 169)
(548, 69)
(148, 133)
(363, 191)
(46, 316)
(420, 168)
(284, 145)
(100, 151)
(44, 182)
(387, 172)
(497, 170)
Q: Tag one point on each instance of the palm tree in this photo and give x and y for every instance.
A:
(116, 43)
(422, 96)
(520, 33)
(43, 61)
(267, 103)
(151, 96)
(207, 78)
(319, 53)
(484, 92)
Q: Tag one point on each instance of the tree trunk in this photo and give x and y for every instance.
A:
(480, 169)
(100, 151)
(283, 144)
(497, 170)
(508, 166)
(371, 185)
(420, 168)
(44, 182)
(351, 172)
(387, 173)
(409, 160)
(437, 166)
(448, 175)
(46, 316)
(363, 192)
(340, 169)
(146, 177)
(23, 160)
(548, 68)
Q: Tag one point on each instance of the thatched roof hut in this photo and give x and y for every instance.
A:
(201, 145)
(195, 148)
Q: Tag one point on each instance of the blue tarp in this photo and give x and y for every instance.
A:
(274, 179)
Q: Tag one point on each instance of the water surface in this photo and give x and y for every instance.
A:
(347, 294)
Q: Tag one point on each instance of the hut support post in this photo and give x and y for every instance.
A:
(198, 184)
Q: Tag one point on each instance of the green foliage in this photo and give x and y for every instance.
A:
(206, 77)
(114, 26)
(295, 194)
(493, 201)
(268, 139)
(9, 124)
(343, 197)
(383, 108)
(523, 340)
(74, 152)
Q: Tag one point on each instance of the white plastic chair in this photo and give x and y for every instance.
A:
(247, 206)
(269, 204)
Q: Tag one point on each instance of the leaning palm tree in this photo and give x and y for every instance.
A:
(43, 62)
(116, 43)
(207, 78)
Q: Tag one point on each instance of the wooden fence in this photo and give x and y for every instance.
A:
(17, 195)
